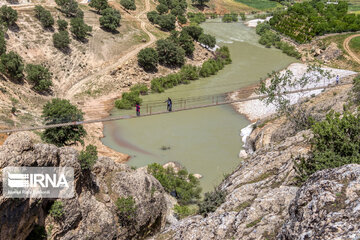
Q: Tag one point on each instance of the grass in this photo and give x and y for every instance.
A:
(354, 5)
(355, 44)
(259, 4)
(253, 223)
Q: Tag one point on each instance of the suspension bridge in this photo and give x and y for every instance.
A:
(183, 107)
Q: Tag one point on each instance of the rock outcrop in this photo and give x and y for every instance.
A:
(92, 213)
(326, 207)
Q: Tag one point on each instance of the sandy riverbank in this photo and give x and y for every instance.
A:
(256, 109)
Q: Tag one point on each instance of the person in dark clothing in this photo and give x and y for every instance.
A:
(169, 104)
(137, 110)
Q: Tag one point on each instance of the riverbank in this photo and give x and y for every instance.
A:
(256, 109)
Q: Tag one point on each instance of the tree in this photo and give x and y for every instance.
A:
(187, 43)
(8, 15)
(44, 16)
(110, 19)
(79, 28)
(61, 40)
(62, 111)
(200, 2)
(69, 7)
(2, 43)
(128, 4)
(169, 53)
(148, 59)
(126, 209)
(13, 65)
(88, 157)
(39, 76)
(167, 22)
(99, 4)
(182, 19)
(57, 210)
(162, 8)
(193, 31)
(207, 40)
(153, 16)
(62, 24)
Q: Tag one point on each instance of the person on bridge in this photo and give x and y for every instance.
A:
(169, 104)
(337, 79)
(137, 109)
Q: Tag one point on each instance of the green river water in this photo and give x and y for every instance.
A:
(205, 141)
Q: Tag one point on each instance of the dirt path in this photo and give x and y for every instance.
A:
(348, 50)
(75, 88)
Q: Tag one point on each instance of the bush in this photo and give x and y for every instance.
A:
(110, 19)
(233, 17)
(196, 18)
(243, 17)
(223, 54)
(153, 16)
(88, 157)
(62, 24)
(128, 4)
(156, 85)
(200, 2)
(189, 72)
(57, 210)
(261, 28)
(166, 22)
(356, 88)
(126, 209)
(162, 8)
(61, 40)
(99, 5)
(177, 11)
(335, 143)
(128, 100)
(183, 211)
(8, 15)
(62, 111)
(140, 87)
(169, 53)
(207, 40)
(148, 59)
(193, 31)
(182, 185)
(182, 19)
(44, 16)
(39, 76)
(12, 65)
(212, 200)
(79, 28)
(69, 7)
(2, 43)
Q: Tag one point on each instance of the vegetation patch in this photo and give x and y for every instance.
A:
(254, 223)
(355, 44)
(57, 210)
(242, 206)
(259, 4)
(126, 209)
(212, 200)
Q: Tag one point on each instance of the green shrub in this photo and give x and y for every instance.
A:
(39, 76)
(184, 186)
(110, 19)
(126, 208)
(123, 104)
(196, 18)
(44, 16)
(193, 31)
(183, 211)
(128, 100)
(2, 43)
(99, 5)
(62, 24)
(69, 7)
(335, 143)
(12, 65)
(356, 88)
(182, 19)
(8, 16)
(61, 40)
(233, 17)
(223, 54)
(162, 8)
(243, 17)
(153, 17)
(208, 40)
(189, 72)
(79, 28)
(57, 210)
(128, 4)
(148, 59)
(166, 22)
(156, 85)
(140, 87)
(169, 53)
(88, 157)
(212, 200)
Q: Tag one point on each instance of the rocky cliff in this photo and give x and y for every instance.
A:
(91, 214)
(263, 198)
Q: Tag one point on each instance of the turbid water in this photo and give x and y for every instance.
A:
(205, 141)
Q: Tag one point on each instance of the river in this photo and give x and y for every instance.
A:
(205, 141)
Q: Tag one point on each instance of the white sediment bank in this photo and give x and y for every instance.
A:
(256, 109)
(255, 22)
